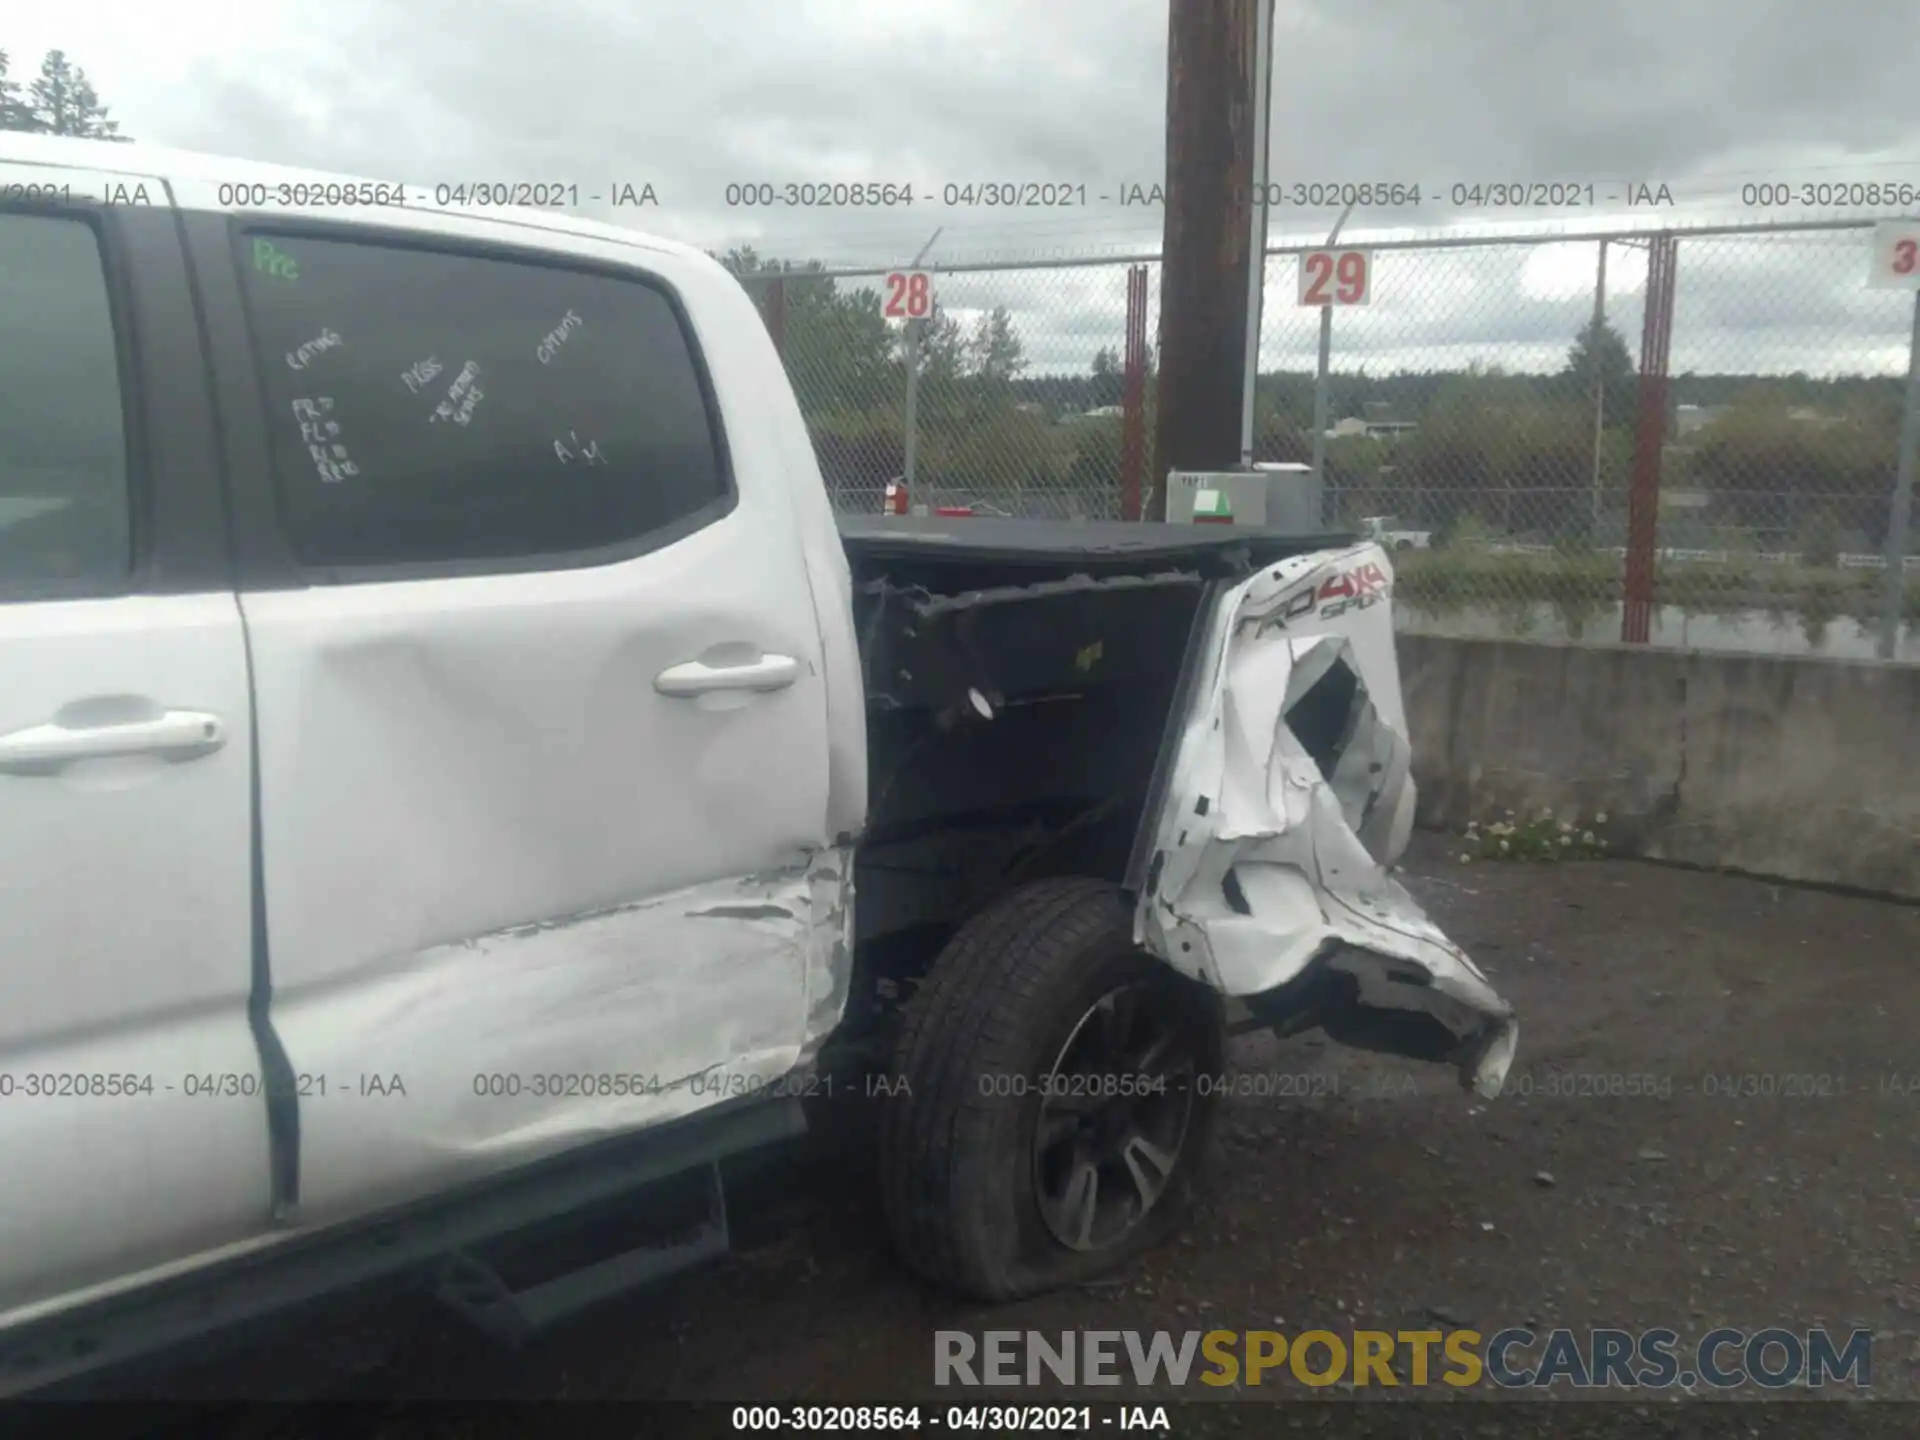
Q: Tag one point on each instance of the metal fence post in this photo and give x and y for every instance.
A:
(1599, 382)
(1320, 375)
(1643, 499)
(909, 420)
(1901, 515)
(1320, 399)
(1258, 215)
(1133, 424)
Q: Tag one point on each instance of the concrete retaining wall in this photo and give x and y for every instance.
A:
(1801, 768)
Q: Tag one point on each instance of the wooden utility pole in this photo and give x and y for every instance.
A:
(1207, 247)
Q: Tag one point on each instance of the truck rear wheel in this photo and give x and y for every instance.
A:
(1049, 1110)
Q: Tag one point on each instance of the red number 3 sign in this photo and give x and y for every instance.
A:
(1896, 256)
(909, 295)
(1335, 277)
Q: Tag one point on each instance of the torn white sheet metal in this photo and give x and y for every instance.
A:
(527, 1042)
(1266, 866)
(829, 952)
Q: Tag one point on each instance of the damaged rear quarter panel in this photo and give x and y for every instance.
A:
(1266, 864)
(529, 1041)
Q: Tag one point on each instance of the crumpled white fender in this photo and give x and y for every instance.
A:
(1267, 864)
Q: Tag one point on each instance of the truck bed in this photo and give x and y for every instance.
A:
(1022, 677)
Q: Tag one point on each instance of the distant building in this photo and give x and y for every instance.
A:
(1104, 412)
(1691, 419)
(1376, 422)
(1678, 499)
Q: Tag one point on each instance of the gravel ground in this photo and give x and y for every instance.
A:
(1714, 1120)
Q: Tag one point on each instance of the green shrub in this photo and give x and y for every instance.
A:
(1818, 541)
(1542, 836)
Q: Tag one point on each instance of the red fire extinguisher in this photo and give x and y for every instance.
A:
(894, 501)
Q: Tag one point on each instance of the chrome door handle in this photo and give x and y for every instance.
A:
(696, 677)
(175, 734)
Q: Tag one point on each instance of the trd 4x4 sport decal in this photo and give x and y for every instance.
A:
(1355, 589)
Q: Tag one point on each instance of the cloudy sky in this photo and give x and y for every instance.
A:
(1704, 97)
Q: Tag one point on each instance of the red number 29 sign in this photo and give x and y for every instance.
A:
(909, 295)
(1336, 277)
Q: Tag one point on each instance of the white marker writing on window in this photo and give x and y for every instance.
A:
(556, 337)
(416, 375)
(326, 340)
(463, 396)
(587, 453)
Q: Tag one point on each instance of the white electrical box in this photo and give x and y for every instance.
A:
(1267, 497)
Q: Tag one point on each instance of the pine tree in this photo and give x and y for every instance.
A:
(1109, 385)
(62, 101)
(1601, 354)
(13, 113)
(943, 348)
(996, 352)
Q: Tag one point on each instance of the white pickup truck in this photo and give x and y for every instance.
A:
(444, 732)
(1387, 532)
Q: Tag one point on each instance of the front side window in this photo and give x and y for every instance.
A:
(430, 407)
(65, 511)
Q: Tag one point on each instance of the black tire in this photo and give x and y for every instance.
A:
(962, 1180)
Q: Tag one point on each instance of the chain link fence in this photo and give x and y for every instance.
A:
(1018, 410)
(1483, 410)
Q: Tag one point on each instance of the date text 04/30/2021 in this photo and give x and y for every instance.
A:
(990, 1419)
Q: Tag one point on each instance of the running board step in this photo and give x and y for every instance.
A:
(499, 1296)
(414, 1240)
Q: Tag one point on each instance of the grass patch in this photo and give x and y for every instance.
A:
(1541, 837)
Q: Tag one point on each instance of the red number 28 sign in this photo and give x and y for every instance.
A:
(909, 295)
(1336, 277)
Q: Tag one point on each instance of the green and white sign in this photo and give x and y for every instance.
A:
(1212, 505)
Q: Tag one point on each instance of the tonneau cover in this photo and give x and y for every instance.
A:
(875, 542)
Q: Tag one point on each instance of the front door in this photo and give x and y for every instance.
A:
(132, 1119)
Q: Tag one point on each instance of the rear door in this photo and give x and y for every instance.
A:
(131, 1117)
(543, 717)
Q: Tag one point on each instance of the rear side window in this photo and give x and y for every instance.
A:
(65, 514)
(432, 408)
